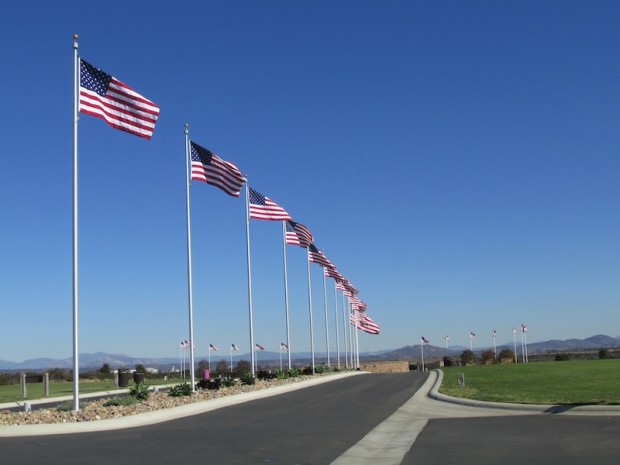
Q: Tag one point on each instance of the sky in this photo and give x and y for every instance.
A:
(457, 162)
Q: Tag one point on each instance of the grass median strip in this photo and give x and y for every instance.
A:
(594, 382)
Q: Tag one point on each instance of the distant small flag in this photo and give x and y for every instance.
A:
(213, 348)
(259, 347)
(208, 167)
(494, 333)
(424, 340)
(105, 97)
(263, 208)
(447, 338)
(283, 346)
(472, 335)
(514, 331)
(182, 346)
(523, 328)
(298, 234)
(234, 347)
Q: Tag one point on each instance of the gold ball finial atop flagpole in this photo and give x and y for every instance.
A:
(75, 37)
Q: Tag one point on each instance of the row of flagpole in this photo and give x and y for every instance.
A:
(472, 336)
(101, 95)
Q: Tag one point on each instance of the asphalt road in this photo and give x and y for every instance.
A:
(518, 440)
(310, 426)
(369, 419)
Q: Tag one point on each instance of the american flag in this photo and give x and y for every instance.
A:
(234, 347)
(332, 273)
(259, 347)
(368, 325)
(472, 335)
(105, 97)
(213, 348)
(263, 208)
(298, 234)
(424, 340)
(208, 167)
(316, 256)
(283, 346)
(523, 328)
(364, 322)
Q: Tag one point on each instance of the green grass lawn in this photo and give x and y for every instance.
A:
(566, 382)
(10, 393)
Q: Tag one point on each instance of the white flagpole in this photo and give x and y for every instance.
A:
(310, 311)
(76, 117)
(471, 342)
(189, 259)
(494, 345)
(336, 321)
(326, 325)
(345, 329)
(357, 346)
(231, 358)
(422, 350)
(288, 332)
(514, 341)
(525, 340)
(250, 310)
(522, 347)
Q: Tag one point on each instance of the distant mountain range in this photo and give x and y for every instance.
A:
(96, 360)
(430, 351)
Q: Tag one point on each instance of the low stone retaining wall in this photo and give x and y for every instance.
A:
(385, 367)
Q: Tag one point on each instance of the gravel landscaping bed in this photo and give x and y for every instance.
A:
(95, 410)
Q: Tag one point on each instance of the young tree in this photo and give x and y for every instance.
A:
(242, 367)
(468, 357)
(222, 368)
(104, 371)
(202, 366)
(506, 356)
(488, 357)
(140, 368)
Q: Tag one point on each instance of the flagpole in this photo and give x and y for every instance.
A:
(189, 258)
(247, 236)
(76, 117)
(522, 347)
(345, 329)
(288, 333)
(422, 349)
(231, 358)
(514, 342)
(310, 311)
(336, 321)
(357, 346)
(326, 325)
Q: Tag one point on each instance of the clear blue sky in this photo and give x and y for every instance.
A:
(457, 161)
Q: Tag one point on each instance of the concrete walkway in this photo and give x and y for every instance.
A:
(388, 443)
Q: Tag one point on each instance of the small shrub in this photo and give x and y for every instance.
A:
(120, 401)
(248, 379)
(228, 381)
(139, 391)
(561, 357)
(68, 406)
(307, 371)
(180, 390)
(320, 369)
(603, 354)
(213, 384)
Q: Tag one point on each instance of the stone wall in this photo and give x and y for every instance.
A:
(385, 367)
